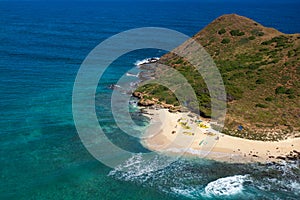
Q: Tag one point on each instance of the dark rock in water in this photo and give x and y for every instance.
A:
(133, 103)
(152, 60)
(120, 89)
(112, 86)
(148, 61)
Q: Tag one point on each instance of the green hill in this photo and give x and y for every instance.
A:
(260, 68)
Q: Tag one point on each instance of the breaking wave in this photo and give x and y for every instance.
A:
(227, 186)
(133, 75)
(206, 179)
(146, 61)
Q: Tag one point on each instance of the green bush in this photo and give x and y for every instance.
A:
(285, 79)
(291, 53)
(225, 41)
(291, 96)
(269, 99)
(244, 41)
(274, 61)
(260, 105)
(257, 32)
(179, 61)
(260, 33)
(281, 41)
(245, 57)
(251, 37)
(280, 90)
(283, 90)
(235, 92)
(171, 100)
(222, 31)
(266, 42)
(298, 70)
(236, 76)
(252, 87)
(263, 49)
(253, 66)
(289, 91)
(260, 81)
(236, 33)
(176, 104)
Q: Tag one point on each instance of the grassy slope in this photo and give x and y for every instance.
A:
(261, 70)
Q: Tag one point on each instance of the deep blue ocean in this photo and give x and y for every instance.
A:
(43, 44)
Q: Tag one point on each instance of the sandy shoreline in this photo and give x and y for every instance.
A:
(178, 133)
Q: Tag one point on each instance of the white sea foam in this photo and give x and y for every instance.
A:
(176, 179)
(200, 153)
(231, 185)
(138, 168)
(134, 84)
(146, 61)
(133, 75)
(269, 184)
(187, 150)
(190, 192)
(295, 186)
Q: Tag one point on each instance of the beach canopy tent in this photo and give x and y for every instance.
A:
(240, 127)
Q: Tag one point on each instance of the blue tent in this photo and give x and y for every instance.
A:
(240, 127)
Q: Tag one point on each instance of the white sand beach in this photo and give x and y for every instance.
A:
(182, 133)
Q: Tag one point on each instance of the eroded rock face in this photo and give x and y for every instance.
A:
(137, 94)
(146, 102)
(164, 105)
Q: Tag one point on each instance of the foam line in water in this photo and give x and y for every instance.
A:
(137, 168)
(198, 152)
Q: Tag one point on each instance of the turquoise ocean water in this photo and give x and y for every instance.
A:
(41, 156)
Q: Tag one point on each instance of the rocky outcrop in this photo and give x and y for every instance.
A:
(146, 102)
(138, 95)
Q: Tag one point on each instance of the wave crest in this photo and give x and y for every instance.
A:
(231, 185)
(146, 61)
